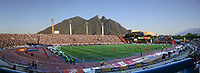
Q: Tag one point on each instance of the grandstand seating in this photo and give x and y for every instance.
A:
(9, 40)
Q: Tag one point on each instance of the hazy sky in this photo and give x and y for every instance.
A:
(159, 16)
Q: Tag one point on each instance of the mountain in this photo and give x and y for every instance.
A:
(94, 26)
(191, 30)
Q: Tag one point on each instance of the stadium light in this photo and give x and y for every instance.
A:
(102, 28)
(86, 23)
(70, 27)
(52, 20)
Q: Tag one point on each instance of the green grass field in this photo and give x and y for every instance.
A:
(96, 53)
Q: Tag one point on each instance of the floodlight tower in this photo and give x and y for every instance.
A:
(52, 32)
(102, 28)
(70, 27)
(86, 23)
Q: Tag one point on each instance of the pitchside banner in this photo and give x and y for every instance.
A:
(115, 69)
(106, 69)
(98, 70)
(144, 38)
(125, 67)
(131, 66)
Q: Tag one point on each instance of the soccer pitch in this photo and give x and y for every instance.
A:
(109, 52)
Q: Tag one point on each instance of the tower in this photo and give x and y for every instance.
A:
(86, 23)
(70, 27)
(102, 28)
(52, 32)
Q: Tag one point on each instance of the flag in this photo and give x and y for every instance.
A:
(135, 50)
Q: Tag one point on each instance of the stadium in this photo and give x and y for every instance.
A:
(58, 52)
(134, 36)
(49, 54)
(136, 51)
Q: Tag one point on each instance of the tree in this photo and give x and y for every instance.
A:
(191, 36)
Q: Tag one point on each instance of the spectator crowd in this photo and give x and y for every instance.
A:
(196, 55)
(14, 40)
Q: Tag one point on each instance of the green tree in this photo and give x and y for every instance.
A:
(191, 36)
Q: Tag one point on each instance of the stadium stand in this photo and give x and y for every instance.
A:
(36, 60)
(14, 40)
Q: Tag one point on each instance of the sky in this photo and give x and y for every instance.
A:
(160, 16)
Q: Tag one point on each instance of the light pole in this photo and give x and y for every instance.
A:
(86, 23)
(102, 28)
(52, 32)
(70, 27)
